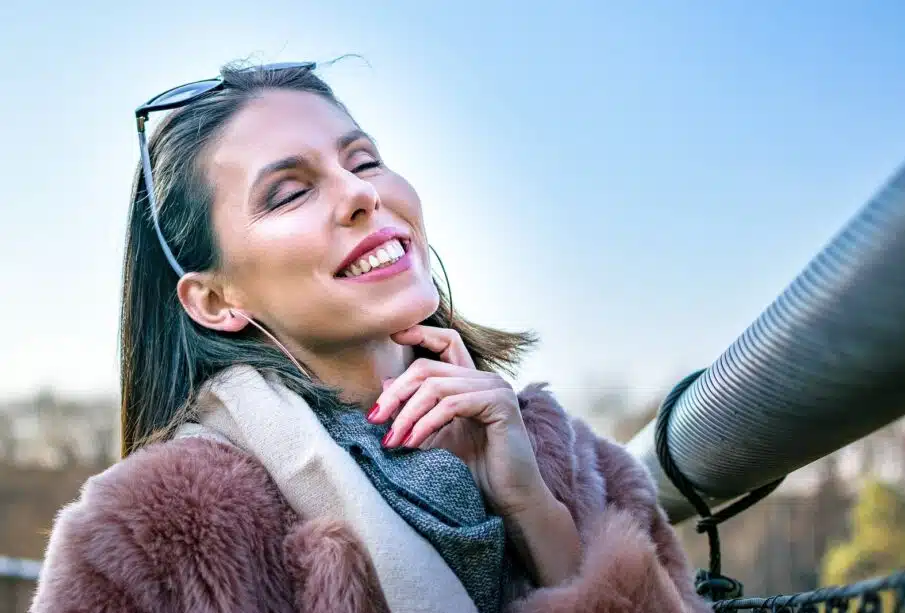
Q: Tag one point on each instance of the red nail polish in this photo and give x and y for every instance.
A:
(387, 437)
(373, 411)
(408, 439)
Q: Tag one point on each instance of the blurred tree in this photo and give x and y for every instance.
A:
(104, 444)
(832, 504)
(877, 544)
(55, 422)
(7, 438)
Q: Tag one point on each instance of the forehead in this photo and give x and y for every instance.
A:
(274, 124)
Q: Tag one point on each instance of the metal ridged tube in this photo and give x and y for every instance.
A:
(824, 365)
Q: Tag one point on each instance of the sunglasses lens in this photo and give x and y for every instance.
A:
(184, 92)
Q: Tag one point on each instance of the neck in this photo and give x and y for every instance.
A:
(358, 372)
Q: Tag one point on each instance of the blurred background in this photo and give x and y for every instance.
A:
(634, 181)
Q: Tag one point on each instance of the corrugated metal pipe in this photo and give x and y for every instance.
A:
(823, 366)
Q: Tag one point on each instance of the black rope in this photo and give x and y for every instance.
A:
(709, 583)
(836, 599)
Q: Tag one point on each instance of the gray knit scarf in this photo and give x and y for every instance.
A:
(436, 494)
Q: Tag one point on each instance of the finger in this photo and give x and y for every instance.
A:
(445, 343)
(477, 405)
(406, 384)
(428, 395)
(402, 387)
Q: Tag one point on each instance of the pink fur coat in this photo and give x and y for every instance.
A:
(198, 526)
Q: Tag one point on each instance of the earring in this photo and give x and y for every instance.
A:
(448, 287)
(273, 339)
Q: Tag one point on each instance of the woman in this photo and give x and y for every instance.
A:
(307, 423)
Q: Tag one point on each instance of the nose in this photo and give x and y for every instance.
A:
(355, 198)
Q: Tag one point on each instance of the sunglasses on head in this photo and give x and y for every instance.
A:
(174, 98)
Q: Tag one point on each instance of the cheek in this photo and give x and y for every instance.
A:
(273, 256)
(404, 199)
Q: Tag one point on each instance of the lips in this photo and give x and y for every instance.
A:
(378, 249)
(385, 255)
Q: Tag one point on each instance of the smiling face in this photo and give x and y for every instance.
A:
(318, 239)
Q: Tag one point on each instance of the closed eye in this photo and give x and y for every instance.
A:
(275, 199)
(367, 166)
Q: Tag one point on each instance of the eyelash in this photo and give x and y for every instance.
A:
(367, 166)
(298, 194)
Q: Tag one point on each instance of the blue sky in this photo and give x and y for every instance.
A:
(635, 181)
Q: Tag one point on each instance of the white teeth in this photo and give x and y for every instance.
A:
(389, 252)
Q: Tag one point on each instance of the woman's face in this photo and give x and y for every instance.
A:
(319, 239)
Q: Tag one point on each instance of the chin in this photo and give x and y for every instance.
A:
(408, 309)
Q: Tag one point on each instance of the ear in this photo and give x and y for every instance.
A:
(202, 297)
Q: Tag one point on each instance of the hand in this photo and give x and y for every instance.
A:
(474, 414)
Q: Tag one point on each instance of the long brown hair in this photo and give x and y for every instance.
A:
(165, 355)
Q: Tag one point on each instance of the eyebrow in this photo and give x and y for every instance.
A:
(299, 161)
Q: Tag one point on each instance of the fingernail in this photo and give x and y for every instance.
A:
(387, 437)
(408, 439)
(373, 412)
